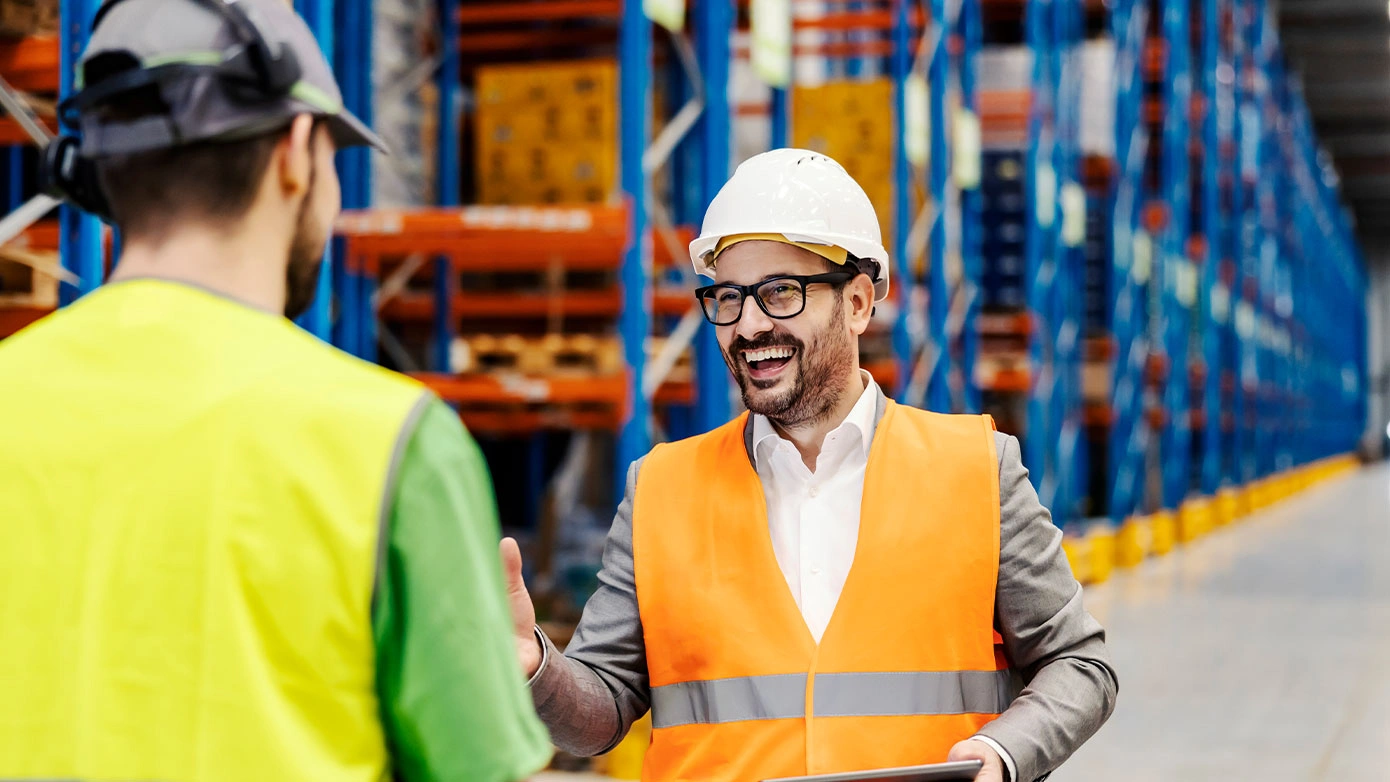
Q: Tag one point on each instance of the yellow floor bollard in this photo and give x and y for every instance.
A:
(625, 760)
(1227, 507)
(1165, 532)
(1102, 540)
(1194, 519)
(1133, 541)
(1078, 551)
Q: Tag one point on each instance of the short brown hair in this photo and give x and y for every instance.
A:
(208, 182)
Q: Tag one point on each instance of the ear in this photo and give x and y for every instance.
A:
(294, 157)
(859, 303)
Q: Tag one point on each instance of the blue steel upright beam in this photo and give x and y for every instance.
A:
(79, 239)
(971, 31)
(446, 175)
(714, 20)
(634, 322)
(1041, 191)
(353, 63)
(318, 15)
(900, 67)
(938, 294)
(1066, 303)
(1214, 297)
(1129, 432)
(1174, 279)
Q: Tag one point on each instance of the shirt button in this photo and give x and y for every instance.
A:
(815, 571)
(814, 491)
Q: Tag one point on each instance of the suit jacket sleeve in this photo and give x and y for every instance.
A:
(1056, 647)
(590, 696)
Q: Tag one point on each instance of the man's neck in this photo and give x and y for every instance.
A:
(235, 266)
(808, 438)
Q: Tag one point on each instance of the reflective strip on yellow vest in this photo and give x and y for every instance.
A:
(910, 662)
(191, 494)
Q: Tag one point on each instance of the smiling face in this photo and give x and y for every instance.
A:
(795, 371)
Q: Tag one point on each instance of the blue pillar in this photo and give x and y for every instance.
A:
(972, 206)
(447, 176)
(938, 298)
(901, 279)
(353, 63)
(634, 323)
(318, 14)
(713, 23)
(79, 240)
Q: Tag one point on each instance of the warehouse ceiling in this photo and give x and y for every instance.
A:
(1342, 50)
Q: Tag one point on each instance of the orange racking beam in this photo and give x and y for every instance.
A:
(12, 319)
(524, 40)
(31, 64)
(551, 10)
(851, 21)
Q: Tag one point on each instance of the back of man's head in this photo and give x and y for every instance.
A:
(181, 119)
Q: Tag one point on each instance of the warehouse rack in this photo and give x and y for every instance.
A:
(1232, 281)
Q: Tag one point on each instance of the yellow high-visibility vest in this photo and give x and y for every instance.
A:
(191, 500)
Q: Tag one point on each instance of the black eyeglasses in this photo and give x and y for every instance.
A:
(778, 297)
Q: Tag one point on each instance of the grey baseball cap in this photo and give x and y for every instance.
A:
(186, 49)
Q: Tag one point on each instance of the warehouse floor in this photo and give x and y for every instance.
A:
(1260, 652)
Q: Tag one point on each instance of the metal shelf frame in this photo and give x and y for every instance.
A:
(1131, 257)
(80, 237)
(1176, 278)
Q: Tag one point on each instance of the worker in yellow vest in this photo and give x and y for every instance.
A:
(232, 552)
(832, 581)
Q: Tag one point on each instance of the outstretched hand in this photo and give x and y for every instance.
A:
(528, 648)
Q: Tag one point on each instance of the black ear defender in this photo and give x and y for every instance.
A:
(256, 72)
(66, 174)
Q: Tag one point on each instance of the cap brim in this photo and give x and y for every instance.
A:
(349, 131)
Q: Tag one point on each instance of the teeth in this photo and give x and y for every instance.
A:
(767, 353)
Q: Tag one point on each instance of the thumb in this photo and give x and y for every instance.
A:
(523, 611)
(511, 564)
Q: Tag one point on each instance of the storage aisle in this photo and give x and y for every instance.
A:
(1261, 652)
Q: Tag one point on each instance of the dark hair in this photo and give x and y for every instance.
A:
(207, 182)
(214, 182)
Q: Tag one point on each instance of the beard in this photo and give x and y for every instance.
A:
(305, 257)
(814, 389)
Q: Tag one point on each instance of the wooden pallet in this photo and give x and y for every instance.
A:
(29, 278)
(555, 354)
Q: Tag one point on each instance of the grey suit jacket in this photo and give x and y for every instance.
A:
(590, 696)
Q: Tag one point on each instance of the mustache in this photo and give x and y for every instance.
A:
(766, 340)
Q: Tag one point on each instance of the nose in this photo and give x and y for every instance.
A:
(753, 320)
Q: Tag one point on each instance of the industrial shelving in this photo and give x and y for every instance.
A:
(1232, 338)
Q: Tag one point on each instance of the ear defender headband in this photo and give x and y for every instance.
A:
(255, 72)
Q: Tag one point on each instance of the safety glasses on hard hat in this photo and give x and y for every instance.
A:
(779, 297)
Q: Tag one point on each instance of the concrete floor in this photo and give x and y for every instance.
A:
(1261, 653)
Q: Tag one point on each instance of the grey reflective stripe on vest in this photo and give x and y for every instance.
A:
(778, 697)
(783, 696)
(906, 694)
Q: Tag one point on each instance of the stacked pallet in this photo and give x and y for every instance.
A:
(546, 132)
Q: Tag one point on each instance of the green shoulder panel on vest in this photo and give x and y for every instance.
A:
(211, 479)
(454, 700)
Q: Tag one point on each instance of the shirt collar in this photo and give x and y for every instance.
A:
(860, 418)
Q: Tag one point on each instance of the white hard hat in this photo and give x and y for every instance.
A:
(804, 196)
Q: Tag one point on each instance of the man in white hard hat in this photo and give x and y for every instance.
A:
(833, 581)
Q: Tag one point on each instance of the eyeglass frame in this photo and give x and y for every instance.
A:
(750, 291)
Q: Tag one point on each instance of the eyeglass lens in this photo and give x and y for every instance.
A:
(780, 299)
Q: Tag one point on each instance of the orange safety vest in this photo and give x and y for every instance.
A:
(910, 663)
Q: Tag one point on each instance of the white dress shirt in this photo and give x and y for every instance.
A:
(813, 515)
